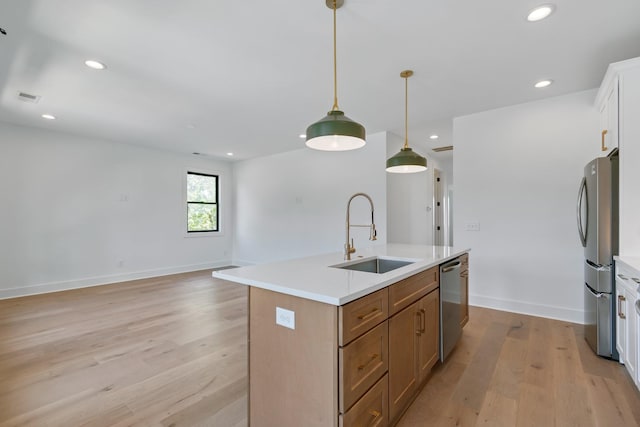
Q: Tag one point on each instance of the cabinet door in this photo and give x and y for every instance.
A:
(404, 328)
(428, 340)
(631, 353)
(621, 319)
(609, 119)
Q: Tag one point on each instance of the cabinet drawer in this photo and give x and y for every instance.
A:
(361, 364)
(357, 317)
(409, 290)
(371, 410)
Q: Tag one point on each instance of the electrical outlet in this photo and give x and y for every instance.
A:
(286, 318)
(472, 226)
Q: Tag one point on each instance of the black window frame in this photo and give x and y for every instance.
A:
(215, 203)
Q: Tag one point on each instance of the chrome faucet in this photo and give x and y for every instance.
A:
(348, 246)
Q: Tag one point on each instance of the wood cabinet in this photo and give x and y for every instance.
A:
(413, 346)
(627, 319)
(360, 364)
(464, 289)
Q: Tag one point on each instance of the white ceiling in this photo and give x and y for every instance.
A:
(215, 76)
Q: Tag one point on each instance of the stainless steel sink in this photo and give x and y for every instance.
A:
(375, 265)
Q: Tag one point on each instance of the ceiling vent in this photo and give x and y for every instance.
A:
(27, 97)
(447, 148)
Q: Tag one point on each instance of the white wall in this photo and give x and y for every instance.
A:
(73, 208)
(516, 171)
(294, 204)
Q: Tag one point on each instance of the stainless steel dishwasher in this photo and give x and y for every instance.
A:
(450, 307)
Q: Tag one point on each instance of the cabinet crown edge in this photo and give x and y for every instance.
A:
(614, 70)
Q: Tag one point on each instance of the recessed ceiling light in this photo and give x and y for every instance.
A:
(540, 12)
(96, 65)
(229, 154)
(191, 126)
(434, 136)
(303, 135)
(48, 117)
(542, 83)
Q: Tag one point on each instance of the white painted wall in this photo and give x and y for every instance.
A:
(64, 222)
(293, 204)
(516, 171)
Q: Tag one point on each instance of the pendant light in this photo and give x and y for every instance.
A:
(406, 161)
(335, 132)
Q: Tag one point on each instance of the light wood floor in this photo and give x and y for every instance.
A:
(172, 351)
(168, 351)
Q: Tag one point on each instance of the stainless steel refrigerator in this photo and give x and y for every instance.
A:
(597, 213)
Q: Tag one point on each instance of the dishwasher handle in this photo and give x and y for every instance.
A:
(450, 267)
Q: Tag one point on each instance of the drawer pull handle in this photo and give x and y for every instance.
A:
(373, 357)
(369, 314)
(621, 315)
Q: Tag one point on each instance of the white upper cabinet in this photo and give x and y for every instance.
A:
(618, 101)
(609, 118)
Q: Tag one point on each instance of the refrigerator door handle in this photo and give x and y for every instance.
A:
(638, 307)
(598, 267)
(581, 192)
(594, 293)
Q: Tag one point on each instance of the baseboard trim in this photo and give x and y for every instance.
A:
(243, 263)
(549, 312)
(45, 288)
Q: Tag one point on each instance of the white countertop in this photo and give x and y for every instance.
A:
(313, 277)
(632, 263)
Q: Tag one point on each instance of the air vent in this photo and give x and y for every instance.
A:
(447, 148)
(27, 97)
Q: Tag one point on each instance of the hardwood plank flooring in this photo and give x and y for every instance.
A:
(172, 351)
(516, 370)
(166, 351)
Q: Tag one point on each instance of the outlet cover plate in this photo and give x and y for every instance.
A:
(286, 318)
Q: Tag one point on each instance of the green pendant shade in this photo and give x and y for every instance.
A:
(406, 161)
(335, 132)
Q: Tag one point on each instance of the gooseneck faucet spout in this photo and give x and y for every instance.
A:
(349, 248)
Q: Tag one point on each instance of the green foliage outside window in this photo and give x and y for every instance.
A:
(202, 202)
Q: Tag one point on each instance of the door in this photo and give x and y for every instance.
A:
(450, 306)
(404, 328)
(621, 320)
(598, 319)
(429, 343)
(597, 202)
(438, 210)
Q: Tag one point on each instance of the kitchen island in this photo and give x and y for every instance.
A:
(329, 345)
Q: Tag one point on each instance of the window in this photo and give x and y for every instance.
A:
(202, 203)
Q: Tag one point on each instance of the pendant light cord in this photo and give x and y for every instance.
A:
(406, 112)
(335, 61)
